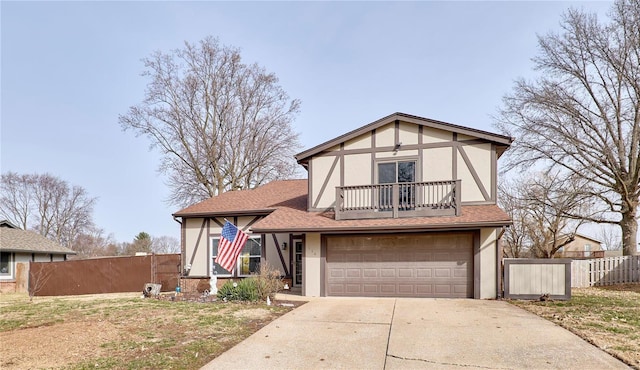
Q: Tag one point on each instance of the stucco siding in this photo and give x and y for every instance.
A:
(437, 164)
(432, 135)
(325, 178)
(311, 266)
(385, 136)
(357, 169)
(470, 190)
(271, 252)
(408, 133)
(360, 142)
(199, 265)
(488, 261)
(480, 158)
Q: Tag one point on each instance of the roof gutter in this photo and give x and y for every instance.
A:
(378, 229)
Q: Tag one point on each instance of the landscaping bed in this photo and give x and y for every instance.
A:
(608, 317)
(124, 330)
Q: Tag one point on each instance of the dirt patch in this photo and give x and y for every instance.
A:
(125, 331)
(55, 345)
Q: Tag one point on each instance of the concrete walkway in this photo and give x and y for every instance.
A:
(389, 333)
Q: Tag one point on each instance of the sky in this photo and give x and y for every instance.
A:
(68, 69)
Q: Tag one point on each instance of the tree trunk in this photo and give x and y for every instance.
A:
(629, 226)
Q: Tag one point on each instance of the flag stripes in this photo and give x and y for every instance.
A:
(231, 243)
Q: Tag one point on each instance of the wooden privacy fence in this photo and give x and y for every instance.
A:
(104, 275)
(527, 278)
(605, 271)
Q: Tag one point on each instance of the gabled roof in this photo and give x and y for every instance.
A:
(259, 201)
(501, 140)
(284, 203)
(18, 240)
(8, 224)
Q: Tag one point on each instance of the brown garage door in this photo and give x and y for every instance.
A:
(409, 265)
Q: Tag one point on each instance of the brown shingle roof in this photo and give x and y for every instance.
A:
(296, 220)
(18, 240)
(261, 200)
(285, 202)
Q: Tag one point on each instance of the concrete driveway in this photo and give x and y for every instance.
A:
(402, 333)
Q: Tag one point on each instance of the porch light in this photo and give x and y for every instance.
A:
(284, 246)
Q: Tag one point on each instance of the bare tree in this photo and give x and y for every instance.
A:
(541, 208)
(610, 239)
(165, 244)
(46, 204)
(221, 124)
(39, 275)
(93, 243)
(516, 242)
(582, 115)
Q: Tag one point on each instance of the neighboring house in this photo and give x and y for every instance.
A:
(402, 207)
(19, 247)
(582, 246)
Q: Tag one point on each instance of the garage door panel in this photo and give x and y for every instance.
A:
(420, 265)
(405, 273)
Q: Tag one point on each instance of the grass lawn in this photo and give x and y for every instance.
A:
(122, 331)
(608, 317)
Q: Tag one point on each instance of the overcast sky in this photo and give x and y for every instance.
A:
(68, 70)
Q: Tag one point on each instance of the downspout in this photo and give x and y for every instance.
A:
(182, 251)
(499, 262)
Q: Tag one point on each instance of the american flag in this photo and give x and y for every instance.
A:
(231, 243)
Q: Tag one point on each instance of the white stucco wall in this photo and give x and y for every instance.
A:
(488, 274)
(311, 266)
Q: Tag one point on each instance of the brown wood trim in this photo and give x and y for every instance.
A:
(388, 149)
(474, 174)
(209, 248)
(309, 184)
(183, 244)
(396, 133)
(420, 155)
(373, 156)
(326, 181)
(214, 219)
(476, 265)
(263, 249)
(255, 219)
(341, 164)
(397, 229)
(284, 265)
(494, 173)
(454, 159)
(323, 266)
(440, 125)
(195, 249)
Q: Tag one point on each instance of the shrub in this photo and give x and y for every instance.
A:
(269, 282)
(245, 290)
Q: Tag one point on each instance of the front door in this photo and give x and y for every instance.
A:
(297, 262)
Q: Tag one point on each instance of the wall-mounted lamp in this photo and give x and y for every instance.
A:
(284, 246)
(397, 147)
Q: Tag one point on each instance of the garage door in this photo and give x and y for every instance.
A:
(410, 265)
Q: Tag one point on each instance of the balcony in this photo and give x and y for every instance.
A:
(407, 199)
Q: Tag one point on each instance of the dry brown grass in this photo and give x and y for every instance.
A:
(608, 317)
(122, 331)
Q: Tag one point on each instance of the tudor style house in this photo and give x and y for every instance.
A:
(402, 207)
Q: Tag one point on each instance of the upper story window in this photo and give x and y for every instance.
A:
(392, 172)
(397, 172)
